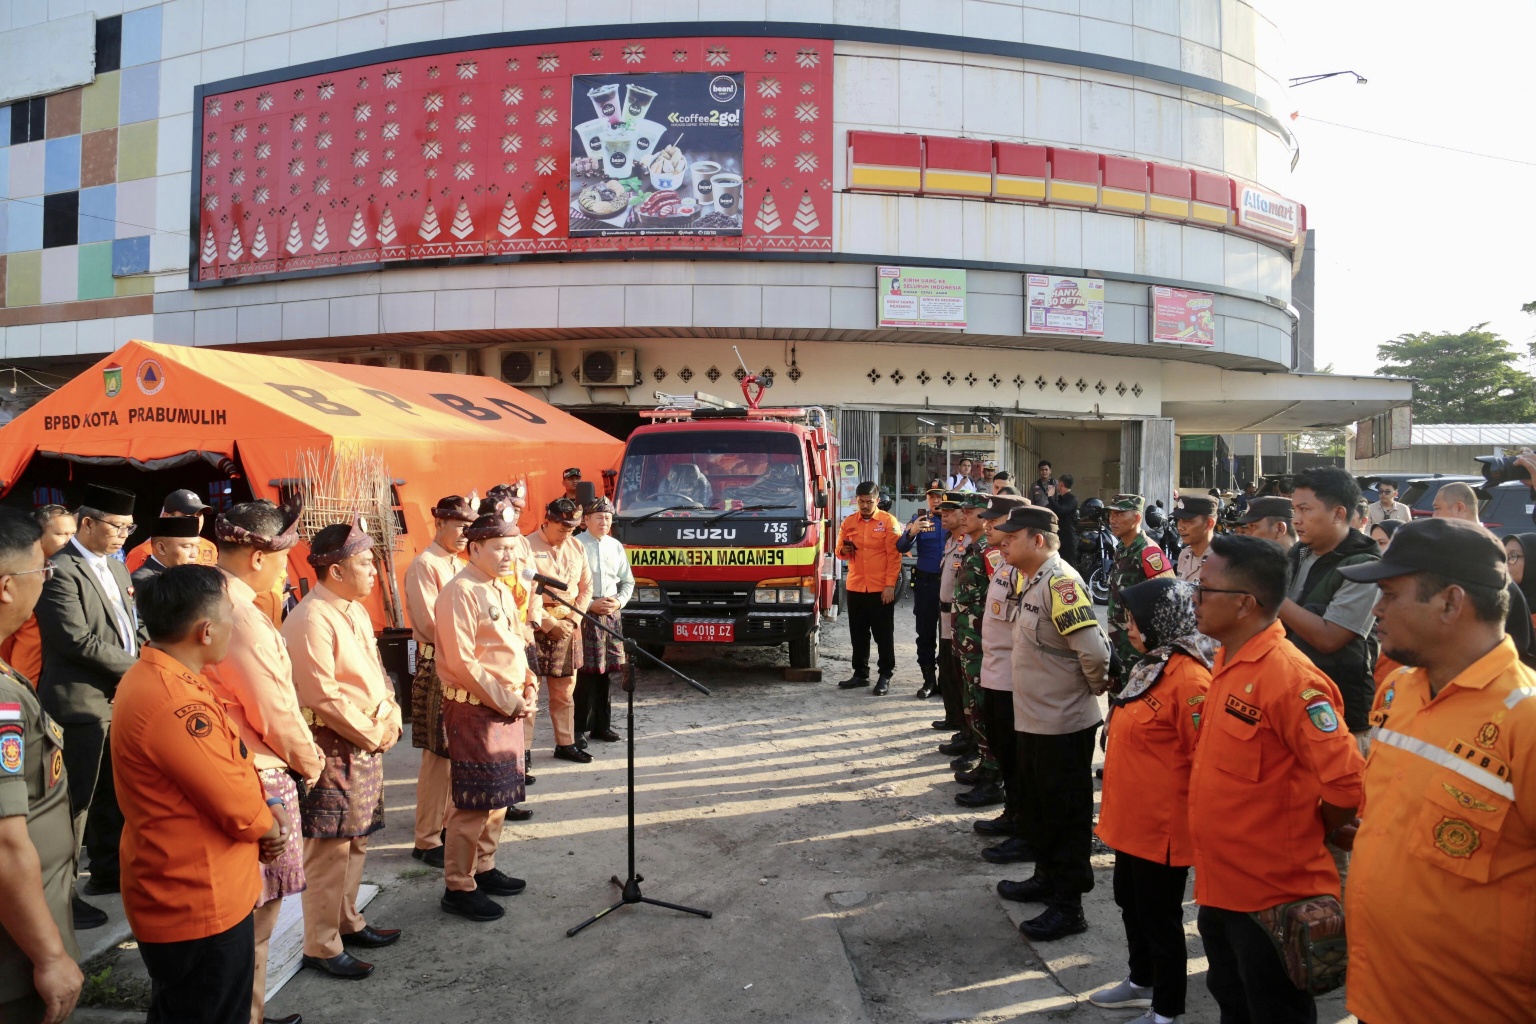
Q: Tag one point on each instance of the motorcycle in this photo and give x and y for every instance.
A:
(1160, 527)
(1095, 548)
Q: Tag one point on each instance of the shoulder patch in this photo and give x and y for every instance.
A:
(13, 747)
(1309, 693)
(1322, 715)
(1071, 608)
(994, 560)
(1198, 698)
(1153, 559)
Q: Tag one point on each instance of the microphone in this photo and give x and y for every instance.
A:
(542, 580)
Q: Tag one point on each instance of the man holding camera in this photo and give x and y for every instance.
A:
(926, 533)
(867, 542)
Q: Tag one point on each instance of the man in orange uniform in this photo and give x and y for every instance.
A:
(193, 809)
(23, 649)
(1442, 891)
(558, 554)
(1275, 774)
(425, 578)
(255, 684)
(178, 504)
(350, 707)
(484, 667)
(867, 542)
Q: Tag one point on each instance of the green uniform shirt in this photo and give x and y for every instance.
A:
(1139, 560)
(32, 786)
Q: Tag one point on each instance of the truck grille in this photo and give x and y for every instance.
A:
(706, 598)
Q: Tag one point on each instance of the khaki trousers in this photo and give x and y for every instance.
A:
(432, 800)
(471, 846)
(562, 708)
(333, 871)
(266, 922)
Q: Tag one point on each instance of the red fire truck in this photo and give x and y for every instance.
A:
(726, 512)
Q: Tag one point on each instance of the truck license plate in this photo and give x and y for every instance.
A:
(706, 630)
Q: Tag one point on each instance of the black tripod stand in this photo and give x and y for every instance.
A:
(631, 885)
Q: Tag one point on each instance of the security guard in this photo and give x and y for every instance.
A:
(1060, 666)
(39, 979)
(1195, 519)
(925, 532)
(971, 583)
(1000, 608)
(1139, 559)
(960, 746)
(1444, 866)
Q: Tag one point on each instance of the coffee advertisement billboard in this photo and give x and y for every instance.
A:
(657, 154)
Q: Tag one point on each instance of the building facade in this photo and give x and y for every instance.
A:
(968, 228)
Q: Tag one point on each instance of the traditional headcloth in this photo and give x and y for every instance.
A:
(287, 537)
(356, 541)
(496, 524)
(600, 505)
(455, 508)
(175, 526)
(1164, 610)
(563, 510)
(513, 496)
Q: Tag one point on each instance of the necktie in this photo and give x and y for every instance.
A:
(115, 599)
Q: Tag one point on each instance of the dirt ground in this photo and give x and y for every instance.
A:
(818, 826)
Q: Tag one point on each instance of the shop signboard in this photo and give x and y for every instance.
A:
(921, 297)
(1064, 305)
(1182, 317)
(1268, 214)
(847, 485)
(656, 154)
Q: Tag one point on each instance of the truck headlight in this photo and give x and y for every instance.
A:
(646, 595)
(765, 595)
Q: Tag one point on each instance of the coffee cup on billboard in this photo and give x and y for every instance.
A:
(637, 100)
(605, 100)
(616, 155)
(590, 133)
(704, 172)
(728, 194)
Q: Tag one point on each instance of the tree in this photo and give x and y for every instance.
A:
(1463, 378)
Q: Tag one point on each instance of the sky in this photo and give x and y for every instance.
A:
(1412, 238)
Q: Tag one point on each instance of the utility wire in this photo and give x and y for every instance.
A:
(1419, 142)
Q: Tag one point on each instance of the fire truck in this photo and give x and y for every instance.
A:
(727, 513)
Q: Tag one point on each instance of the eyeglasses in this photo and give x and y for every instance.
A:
(1201, 590)
(117, 527)
(46, 570)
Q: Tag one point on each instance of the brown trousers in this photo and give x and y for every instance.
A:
(471, 846)
(333, 871)
(432, 800)
(266, 922)
(562, 708)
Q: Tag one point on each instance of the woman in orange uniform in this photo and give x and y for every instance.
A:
(1144, 816)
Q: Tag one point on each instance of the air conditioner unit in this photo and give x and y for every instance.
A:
(606, 368)
(520, 367)
(389, 359)
(445, 360)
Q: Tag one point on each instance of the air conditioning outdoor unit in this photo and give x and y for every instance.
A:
(389, 359)
(607, 368)
(445, 360)
(520, 367)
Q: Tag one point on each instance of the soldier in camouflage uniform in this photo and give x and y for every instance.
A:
(971, 584)
(1139, 559)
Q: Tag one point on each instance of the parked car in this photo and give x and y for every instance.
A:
(1419, 495)
(1368, 482)
(1506, 508)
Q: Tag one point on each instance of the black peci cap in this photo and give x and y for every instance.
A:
(176, 526)
(1267, 508)
(1446, 547)
(114, 501)
(1028, 517)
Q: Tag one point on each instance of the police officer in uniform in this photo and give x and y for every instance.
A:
(1060, 666)
(925, 532)
(960, 746)
(1139, 559)
(39, 979)
(971, 583)
(996, 610)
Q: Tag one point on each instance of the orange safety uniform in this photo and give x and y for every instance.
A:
(875, 564)
(1271, 746)
(1385, 666)
(207, 554)
(1144, 809)
(1441, 901)
(193, 809)
(23, 650)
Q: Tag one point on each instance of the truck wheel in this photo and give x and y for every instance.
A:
(806, 652)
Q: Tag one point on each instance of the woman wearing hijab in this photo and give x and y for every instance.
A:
(1382, 532)
(1144, 816)
(1520, 548)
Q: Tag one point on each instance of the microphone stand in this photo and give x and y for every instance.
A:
(631, 885)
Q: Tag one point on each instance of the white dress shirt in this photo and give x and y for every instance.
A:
(611, 575)
(125, 618)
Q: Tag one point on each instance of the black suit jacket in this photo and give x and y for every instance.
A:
(149, 570)
(83, 655)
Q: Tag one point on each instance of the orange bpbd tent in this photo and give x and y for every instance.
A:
(153, 418)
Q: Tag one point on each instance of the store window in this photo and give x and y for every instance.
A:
(916, 447)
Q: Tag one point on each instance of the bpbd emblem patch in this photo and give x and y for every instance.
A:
(1322, 715)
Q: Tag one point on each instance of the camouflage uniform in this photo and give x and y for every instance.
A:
(1139, 560)
(971, 584)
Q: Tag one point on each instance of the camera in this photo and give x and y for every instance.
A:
(1501, 469)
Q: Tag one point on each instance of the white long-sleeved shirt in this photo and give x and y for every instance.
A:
(611, 575)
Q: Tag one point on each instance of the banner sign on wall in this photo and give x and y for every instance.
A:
(921, 297)
(1183, 317)
(656, 154)
(1064, 305)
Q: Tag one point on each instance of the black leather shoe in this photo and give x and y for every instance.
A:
(1009, 851)
(963, 764)
(432, 858)
(529, 780)
(516, 813)
(924, 692)
(372, 938)
(572, 753)
(853, 682)
(1055, 923)
(943, 725)
(956, 747)
(292, 1018)
(1002, 825)
(581, 741)
(342, 965)
(1031, 890)
(497, 883)
(87, 916)
(975, 776)
(882, 687)
(607, 736)
(476, 905)
(102, 886)
(982, 796)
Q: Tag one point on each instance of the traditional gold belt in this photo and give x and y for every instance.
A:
(459, 696)
(312, 719)
(426, 652)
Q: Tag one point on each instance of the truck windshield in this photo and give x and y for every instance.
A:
(715, 469)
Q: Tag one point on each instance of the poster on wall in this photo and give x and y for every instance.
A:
(1064, 305)
(921, 297)
(1183, 317)
(847, 485)
(656, 154)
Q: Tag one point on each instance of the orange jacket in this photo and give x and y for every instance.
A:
(193, 808)
(1145, 808)
(876, 564)
(1441, 900)
(1272, 745)
(23, 650)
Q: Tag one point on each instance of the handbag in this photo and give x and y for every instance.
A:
(1309, 938)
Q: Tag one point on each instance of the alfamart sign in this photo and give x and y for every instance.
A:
(1268, 214)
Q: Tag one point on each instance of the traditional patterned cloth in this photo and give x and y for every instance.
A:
(349, 798)
(599, 651)
(284, 876)
(427, 708)
(487, 756)
(558, 658)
